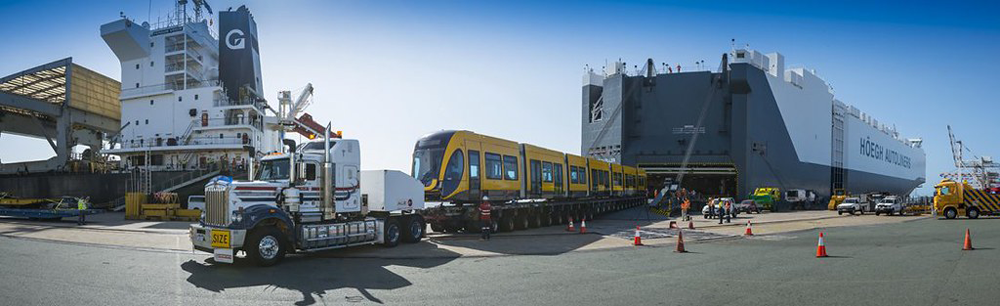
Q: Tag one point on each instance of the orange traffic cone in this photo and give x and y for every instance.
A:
(680, 243)
(690, 224)
(968, 241)
(673, 224)
(638, 239)
(749, 232)
(583, 226)
(569, 226)
(821, 248)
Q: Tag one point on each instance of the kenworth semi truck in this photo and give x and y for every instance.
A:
(312, 198)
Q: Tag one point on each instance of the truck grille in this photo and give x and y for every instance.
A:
(216, 206)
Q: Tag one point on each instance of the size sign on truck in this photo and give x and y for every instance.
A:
(220, 239)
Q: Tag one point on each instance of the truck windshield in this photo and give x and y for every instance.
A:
(275, 169)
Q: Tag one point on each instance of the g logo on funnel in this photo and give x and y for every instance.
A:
(234, 39)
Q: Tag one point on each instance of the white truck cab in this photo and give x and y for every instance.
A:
(309, 199)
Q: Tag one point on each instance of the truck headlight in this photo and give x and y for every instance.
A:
(237, 216)
(202, 215)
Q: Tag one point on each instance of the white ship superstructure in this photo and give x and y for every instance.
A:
(177, 112)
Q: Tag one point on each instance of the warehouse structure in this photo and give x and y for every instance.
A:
(63, 103)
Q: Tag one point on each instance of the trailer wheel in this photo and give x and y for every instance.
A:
(437, 228)
(473, 226)
(534, 220)
(950, 213)
(414, 229)
(972, 213)
(506, 224)
(266, 246)
(392, 233)
(521, 222)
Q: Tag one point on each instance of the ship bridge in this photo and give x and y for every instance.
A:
(63, 103)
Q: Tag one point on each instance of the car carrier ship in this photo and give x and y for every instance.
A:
(750, 124)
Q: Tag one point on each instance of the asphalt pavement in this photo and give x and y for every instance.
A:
(908, 263)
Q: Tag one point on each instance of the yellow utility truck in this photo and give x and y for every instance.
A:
(952, 199)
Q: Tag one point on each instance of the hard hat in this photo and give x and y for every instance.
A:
(486, 198)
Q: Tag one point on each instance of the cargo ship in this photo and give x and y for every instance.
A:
(751, 123)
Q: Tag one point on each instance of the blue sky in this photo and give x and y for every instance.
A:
(389, 72)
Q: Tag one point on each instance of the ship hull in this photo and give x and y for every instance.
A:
(726, 133)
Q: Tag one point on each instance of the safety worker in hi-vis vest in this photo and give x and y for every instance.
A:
(81, 205)
(685, 206)
(484, 218)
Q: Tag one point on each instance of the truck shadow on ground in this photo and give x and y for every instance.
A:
(315, 275)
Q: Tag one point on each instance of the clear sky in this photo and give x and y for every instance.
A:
(389, 72)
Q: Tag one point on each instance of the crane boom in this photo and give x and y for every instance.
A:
(300, 103)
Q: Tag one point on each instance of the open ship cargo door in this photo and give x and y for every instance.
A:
(707, 180)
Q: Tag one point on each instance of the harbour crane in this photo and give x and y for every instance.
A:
(304, 124)
(979, 172)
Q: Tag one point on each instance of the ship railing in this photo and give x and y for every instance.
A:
(225, 122)
(131, 92)
(155, 142)
(137, 91)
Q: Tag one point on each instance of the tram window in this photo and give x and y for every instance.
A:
(510, 167)
(494, 166)
(473, 164)
(453, 172)
(583, 175)
(573, 178)
(546, 172)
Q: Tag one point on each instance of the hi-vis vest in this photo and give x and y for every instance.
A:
(81, 204)
(484, 211)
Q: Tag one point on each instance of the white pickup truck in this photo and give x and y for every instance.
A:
(889, 205)
(850, 205)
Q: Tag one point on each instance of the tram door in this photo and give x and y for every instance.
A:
(474, 173)
(536, 178)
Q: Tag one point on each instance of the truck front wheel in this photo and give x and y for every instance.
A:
(414, 229)
(266, 246)
(950, 213)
